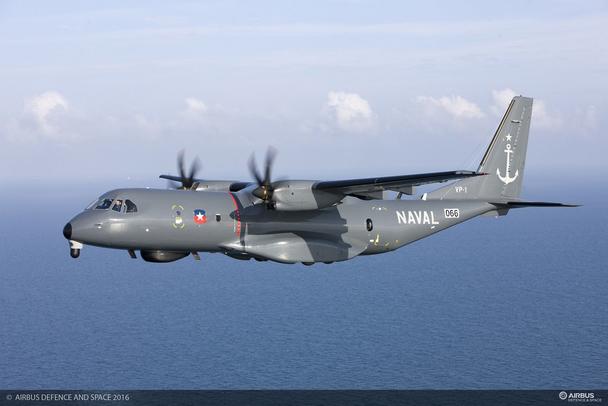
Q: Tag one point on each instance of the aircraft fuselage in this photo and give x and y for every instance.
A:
(232, 223)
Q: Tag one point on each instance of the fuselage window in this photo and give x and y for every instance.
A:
(131, 207)
(104, 204)
(369, 224)
(218, 217)
(117, 205)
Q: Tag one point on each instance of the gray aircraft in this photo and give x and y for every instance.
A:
(305, 221)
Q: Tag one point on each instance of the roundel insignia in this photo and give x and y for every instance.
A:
(178, 221)
(200, 217)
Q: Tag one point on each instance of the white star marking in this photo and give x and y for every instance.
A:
(509, 137)
(199, 217)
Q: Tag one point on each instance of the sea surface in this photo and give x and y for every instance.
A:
(513, 302)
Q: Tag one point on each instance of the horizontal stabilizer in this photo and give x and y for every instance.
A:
(517, 203)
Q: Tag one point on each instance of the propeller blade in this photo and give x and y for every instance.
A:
(189, 182)
(265, 188)
(253, 168)
(180, 165)
(194, 168)
(186, 179)
(270, 155)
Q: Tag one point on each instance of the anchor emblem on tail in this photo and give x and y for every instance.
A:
(507, 178)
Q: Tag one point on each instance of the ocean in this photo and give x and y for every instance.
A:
(512, 302)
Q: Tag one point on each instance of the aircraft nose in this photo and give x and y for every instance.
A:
(67, 231)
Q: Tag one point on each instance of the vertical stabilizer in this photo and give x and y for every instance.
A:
(503, 161)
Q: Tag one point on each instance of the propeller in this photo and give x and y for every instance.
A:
(187, 179)
(265, 187)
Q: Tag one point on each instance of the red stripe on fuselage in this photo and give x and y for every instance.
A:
(237, 215)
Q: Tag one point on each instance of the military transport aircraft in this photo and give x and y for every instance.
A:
(305, 221)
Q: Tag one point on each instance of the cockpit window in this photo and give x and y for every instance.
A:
(104, 204)
(117, 205)
(131, 207)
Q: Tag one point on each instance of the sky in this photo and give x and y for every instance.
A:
(341, 88)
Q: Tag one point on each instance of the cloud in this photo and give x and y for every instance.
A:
(502, 98)
(590, 120)
(541, 117)
(456, 106)
(42, 112)
(349, 111)
(195, 106)
(49, 116)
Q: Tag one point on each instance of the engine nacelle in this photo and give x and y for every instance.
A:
(295, 195)
(162, 256)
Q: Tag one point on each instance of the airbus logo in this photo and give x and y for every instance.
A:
(579, 396)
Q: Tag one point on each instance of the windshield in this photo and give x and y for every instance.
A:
(104, 204)
(118, 205)
(91, 205)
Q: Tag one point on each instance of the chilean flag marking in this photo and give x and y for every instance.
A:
(199, 216)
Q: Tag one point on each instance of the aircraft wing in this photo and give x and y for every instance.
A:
(177, 178)
(206, 184)
(367, 187)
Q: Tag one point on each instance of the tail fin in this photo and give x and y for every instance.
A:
(503, 161)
